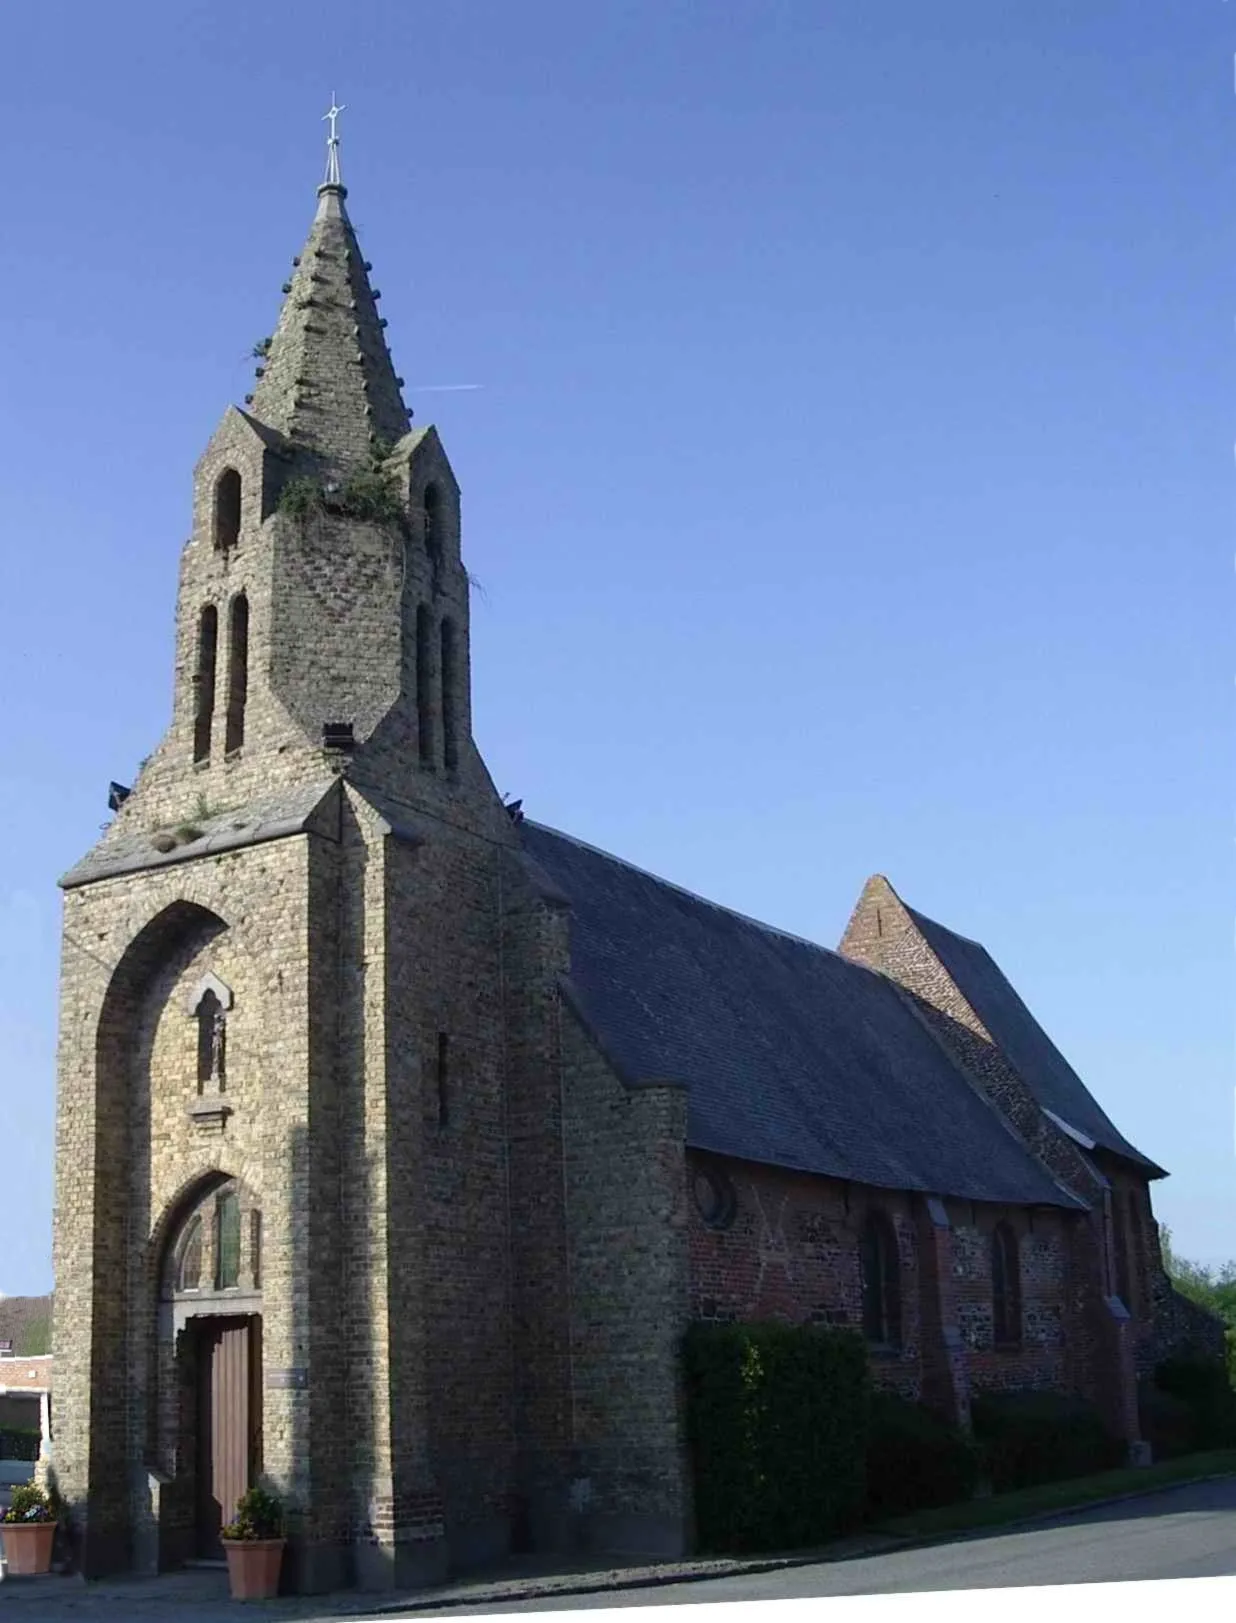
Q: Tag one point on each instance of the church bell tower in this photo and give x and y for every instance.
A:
(281, 1198)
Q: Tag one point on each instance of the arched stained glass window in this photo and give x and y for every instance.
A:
(881, 1279)
(227, 1242)
(189, 1272)
(1005, 1287)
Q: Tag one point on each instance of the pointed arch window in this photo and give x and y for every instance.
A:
(238, 672)
(1137, 1251)
(189, 1269)
(227, 1241)
(1005, 1287)
(880, 1262)
(432, 508)
(215, 1246)
(204, 681)
(450, 742)
(424, 684)
(227, 510)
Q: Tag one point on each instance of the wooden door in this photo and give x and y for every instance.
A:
(227, 1424)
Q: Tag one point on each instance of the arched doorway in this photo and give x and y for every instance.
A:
(212, 1318)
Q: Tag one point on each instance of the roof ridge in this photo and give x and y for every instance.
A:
(971, 941)
(692, 895)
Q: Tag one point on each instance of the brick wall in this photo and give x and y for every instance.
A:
(629, 1271)
(791, 1252)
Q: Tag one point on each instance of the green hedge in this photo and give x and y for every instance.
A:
(1204, 1385)
(915, 1459)
(1166, 1422)
(1029, 1437)
(19, 1443)
(777, 1421)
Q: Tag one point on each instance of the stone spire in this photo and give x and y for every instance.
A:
(328, 382)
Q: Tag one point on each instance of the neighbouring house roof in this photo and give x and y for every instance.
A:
(791, 1055)
(1042, 1067)
(31, 1375)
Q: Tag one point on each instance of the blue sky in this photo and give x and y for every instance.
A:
(850, 479)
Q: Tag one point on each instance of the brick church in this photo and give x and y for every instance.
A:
(400, 1137)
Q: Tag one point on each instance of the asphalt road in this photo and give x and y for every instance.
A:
(1181, 1533)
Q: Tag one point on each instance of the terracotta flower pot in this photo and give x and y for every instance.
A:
(27, 1547)
(253, 1567)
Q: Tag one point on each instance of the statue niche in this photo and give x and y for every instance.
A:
(209, 1003)
(211, 1044)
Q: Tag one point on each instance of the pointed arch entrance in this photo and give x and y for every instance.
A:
(211, 1354)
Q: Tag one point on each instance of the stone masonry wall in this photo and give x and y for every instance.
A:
(446, 1052)
(535, 957)
(129, 1154)
(627, 1229)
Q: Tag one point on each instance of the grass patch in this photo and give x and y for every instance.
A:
(1059, 1496)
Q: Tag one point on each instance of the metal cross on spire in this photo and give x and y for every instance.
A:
(332, 143)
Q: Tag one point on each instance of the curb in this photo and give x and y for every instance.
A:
(879, 1544)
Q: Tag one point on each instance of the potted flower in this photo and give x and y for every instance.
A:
(28, 1530)
(254, 1544)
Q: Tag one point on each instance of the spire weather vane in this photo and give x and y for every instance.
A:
(332, 143)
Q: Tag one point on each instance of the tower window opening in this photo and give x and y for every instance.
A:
(238, 672)
(227, 510)
(432, 506)
(424, 685)
(204, 681)
(450, 741)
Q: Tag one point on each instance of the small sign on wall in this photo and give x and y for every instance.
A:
(287, 1380)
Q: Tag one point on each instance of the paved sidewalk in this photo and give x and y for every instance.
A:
(201, 1595)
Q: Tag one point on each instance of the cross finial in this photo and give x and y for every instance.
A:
(332, 143)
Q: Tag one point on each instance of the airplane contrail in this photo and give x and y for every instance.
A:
(444, 388)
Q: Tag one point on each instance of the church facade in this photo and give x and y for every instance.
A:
(399, 1138)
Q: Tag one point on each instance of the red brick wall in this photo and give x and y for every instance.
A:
(791, 1253)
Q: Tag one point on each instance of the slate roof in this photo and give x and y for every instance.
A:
(131, 851)
(791, 1055)
(1028, 1048)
